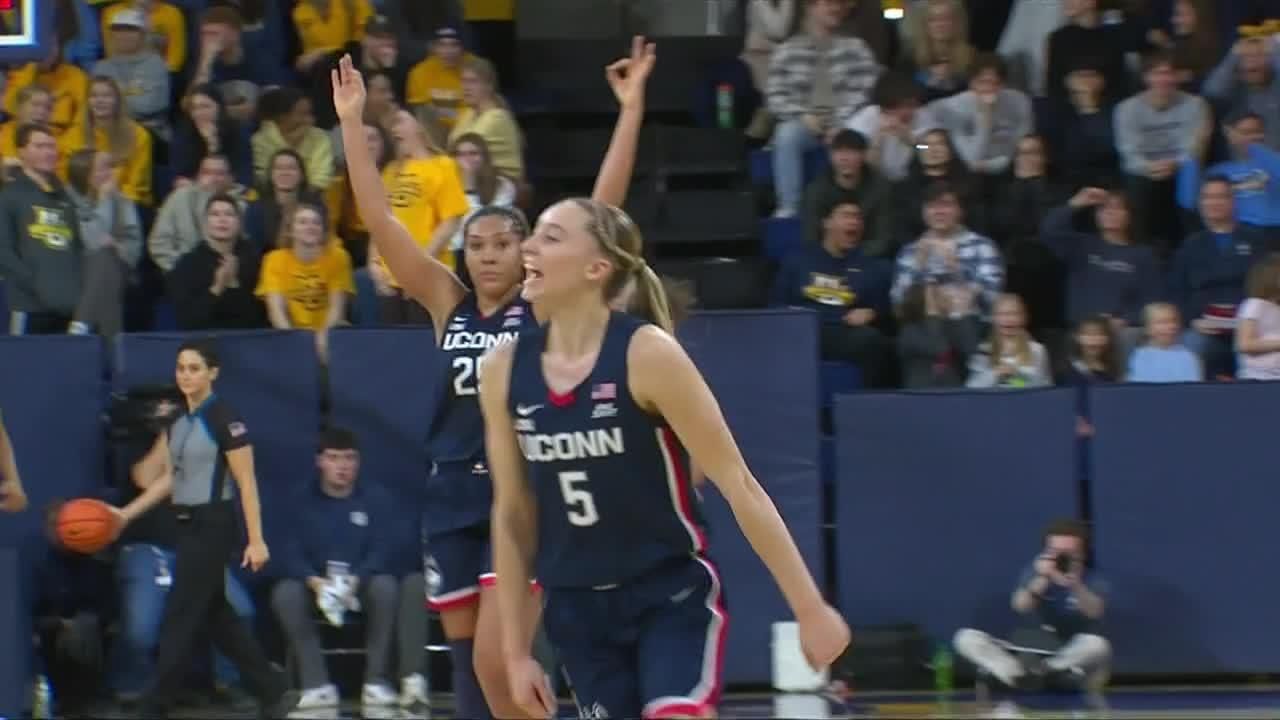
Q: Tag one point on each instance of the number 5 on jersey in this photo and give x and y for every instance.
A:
(581, 505)
(466, 375)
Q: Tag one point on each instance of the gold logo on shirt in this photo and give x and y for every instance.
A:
(829, 290)
(50, 228)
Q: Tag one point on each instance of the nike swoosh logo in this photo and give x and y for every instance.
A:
(527, 410)
(680, 596)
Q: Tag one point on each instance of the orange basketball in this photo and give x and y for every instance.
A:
(86, 526)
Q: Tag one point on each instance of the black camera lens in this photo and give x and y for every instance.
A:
(1063, 563)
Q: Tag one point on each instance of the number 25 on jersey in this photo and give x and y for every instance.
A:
(466, 375)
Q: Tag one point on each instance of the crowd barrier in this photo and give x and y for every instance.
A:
(939, 498)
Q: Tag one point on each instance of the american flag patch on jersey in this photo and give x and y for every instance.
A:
(604, 391)
(236, 429)
(515, 310)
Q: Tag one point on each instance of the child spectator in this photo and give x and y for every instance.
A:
(1095, 359)
(487, 115)
(1164, 359)
(164, 26)
(848, 289)
(1258, 330)
(1010, 358)
(1107, 274)
(305, 281)
(933, 346)
(67, 83)
(437, 80)
(108, 128)
(287, 123)
(206, 128)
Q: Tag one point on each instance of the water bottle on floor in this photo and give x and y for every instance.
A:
(943, 680)
(42, 699)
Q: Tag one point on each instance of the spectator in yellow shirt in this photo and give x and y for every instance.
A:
(34, 106)
(68, 84)
(306, 280)
(437, 81)
(487, 115)
(425, 189)
(108, 128)
(326, 26)
(166, 28)
(287, 122)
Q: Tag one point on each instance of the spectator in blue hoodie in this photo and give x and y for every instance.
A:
(1253, 172)
(1107, 273)
(336, 561)
(848, 289)
(1208, 273)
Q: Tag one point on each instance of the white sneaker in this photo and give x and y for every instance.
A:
(377, 694)
(413, 691)
(1007, 711)
(319, 697)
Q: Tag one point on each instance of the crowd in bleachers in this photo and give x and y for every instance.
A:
(1104, 167)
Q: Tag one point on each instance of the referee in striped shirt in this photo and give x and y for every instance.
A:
(209, 457)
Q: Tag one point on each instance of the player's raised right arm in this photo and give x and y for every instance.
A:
(424, 278)
(514, 535)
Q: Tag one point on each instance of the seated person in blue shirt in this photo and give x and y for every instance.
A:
(1207, 277)
(1253, 171)
(1164, 359)
(336, 562)
(848, 289)
(1061, 603)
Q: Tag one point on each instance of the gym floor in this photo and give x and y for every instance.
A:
(1207, 702)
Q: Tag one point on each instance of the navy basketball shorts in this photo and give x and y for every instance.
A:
(650, 648)
(461, 558)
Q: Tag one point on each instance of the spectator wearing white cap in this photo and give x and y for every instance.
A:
(139, 70)
(164, 24)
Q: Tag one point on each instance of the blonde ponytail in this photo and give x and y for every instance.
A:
(620, 238)
(651, 301)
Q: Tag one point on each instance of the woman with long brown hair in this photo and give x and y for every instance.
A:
(108, 128)
(480, 179)
(936, 49)
(487, 115)
(112, 237)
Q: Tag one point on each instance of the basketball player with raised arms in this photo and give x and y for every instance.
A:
(587, 419)
(467, 324)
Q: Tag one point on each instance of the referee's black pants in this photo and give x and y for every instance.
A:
(197, 606)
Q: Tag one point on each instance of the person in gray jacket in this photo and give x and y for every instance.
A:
(112, 239)
(40, 247)
(139, 70)
(988, 120)
(179, 225)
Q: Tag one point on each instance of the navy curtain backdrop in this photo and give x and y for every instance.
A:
(51, 393)
(761, 367)
(1185, 496)
(941, 499)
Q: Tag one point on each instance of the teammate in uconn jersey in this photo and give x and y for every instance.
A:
(586, 419)
(467, 325)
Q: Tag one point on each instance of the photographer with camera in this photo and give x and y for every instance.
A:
(1065, 601)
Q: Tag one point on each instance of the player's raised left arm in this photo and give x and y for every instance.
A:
(665, 380)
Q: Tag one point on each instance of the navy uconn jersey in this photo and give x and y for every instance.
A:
(611, 480)
(457, 431)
